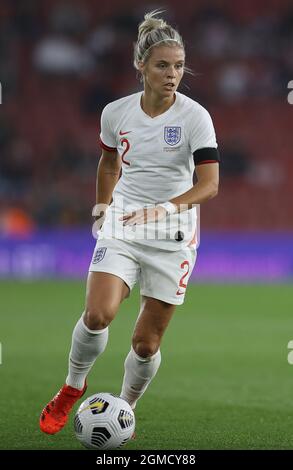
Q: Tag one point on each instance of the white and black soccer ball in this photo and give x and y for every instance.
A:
(104, 421)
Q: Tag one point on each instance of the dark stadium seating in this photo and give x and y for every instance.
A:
(243, 85)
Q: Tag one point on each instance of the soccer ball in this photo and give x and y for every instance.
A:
(104, 421)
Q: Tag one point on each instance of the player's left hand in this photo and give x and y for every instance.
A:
(143, 216)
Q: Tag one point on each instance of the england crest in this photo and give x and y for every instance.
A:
(99, 255)
(172, 135)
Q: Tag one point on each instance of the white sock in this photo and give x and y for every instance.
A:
(139, 372)
(86, 346)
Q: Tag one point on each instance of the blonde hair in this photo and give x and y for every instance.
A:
(152, 32)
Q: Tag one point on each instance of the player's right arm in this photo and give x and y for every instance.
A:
(108, 174)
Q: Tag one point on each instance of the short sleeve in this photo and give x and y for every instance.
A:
(202, 132)
(107, 136)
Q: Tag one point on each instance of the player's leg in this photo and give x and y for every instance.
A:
(105, 292)
(113, 272)
(164, 278)
(144, 358)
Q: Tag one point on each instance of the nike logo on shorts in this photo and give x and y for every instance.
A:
(179, 292)
(123, 133)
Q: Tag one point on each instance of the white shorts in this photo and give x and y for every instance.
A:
(162, 274)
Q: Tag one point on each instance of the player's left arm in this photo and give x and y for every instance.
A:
(206, 187)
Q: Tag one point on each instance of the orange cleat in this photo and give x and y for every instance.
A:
(54, 416)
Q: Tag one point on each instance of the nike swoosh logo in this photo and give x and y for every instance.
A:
(123, 133)
(179, 292)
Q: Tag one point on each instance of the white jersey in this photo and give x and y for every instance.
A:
(157, 165)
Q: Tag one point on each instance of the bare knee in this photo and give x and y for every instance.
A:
(99, 318)
(145, 347)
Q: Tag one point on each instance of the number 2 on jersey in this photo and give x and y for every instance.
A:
(125, 141)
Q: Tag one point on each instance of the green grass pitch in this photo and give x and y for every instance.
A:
(224, 381)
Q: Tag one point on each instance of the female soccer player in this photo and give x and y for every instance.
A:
(157, 137)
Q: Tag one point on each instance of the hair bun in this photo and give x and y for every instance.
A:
(150, 23)
(151, 32)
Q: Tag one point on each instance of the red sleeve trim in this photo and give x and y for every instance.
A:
(105, 147)
(207, 161)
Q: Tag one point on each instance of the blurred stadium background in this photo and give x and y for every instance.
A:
(61, 62)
